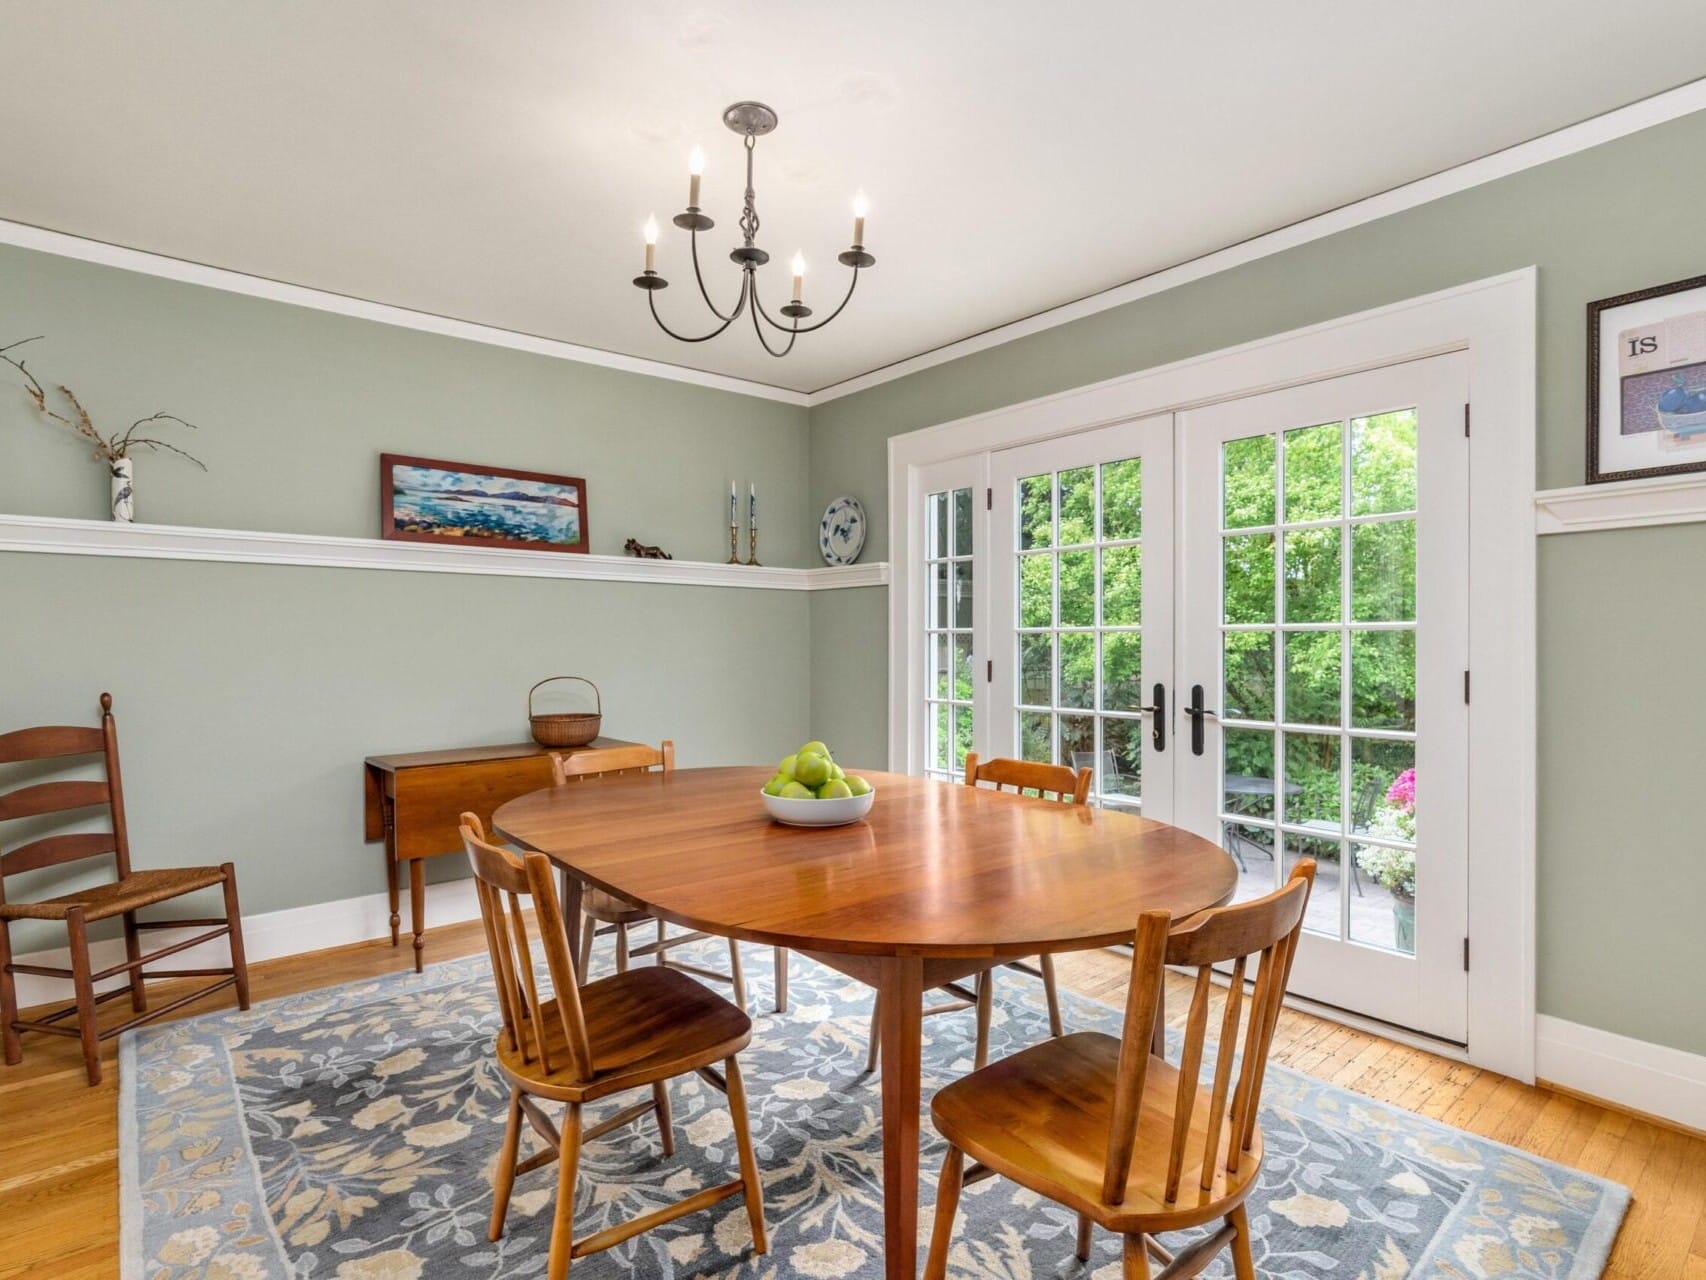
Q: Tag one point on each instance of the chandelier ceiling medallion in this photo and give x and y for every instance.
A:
(752, 120)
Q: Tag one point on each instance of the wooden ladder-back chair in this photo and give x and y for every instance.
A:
(609, 913)
(1050, 781)
(633, 1030)
(1109, 1130)
(124, 896)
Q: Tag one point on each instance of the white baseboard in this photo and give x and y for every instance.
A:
(1652, 1078)
(267, 936)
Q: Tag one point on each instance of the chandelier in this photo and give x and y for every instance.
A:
(752, 120)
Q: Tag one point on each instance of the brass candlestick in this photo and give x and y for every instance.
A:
(752, 545)
(734, 544)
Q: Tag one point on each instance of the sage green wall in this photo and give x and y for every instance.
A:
(1619, 709)
(247, 695)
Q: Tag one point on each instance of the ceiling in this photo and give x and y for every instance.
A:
(494, 163)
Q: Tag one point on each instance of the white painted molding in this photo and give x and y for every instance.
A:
(59, 536)
(1624, 504)
(1653, 1078)
(63, 245)
(270, 935)
(1645, 114)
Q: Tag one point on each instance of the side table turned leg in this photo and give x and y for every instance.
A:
(417, 906)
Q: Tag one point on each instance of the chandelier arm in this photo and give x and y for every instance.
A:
(651, 300)
(705, 293)
(757, 328)
(810, 328)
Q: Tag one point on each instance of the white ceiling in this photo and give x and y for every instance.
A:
(494, 163)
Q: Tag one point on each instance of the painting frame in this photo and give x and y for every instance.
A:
(1631, 351)
(388, 505)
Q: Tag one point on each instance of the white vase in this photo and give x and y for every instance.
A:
(124, 510)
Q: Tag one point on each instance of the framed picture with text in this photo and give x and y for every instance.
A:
(1647, 382)
(463, 504)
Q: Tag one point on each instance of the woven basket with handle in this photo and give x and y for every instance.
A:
(570, 729)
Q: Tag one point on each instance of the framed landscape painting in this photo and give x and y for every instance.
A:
(1647, 382)
(430, 500)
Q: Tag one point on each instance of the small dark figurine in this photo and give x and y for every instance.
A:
(635, 547)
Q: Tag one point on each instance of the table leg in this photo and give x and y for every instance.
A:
(569, 893)
(417, 906)
(902, 996)
(388, 811)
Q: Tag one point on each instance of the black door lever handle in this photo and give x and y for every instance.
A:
(1158, 717)
(1197, 712)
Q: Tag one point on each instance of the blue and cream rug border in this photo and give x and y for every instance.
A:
(349, 1133)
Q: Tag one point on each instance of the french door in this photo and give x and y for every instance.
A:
(1250, 620)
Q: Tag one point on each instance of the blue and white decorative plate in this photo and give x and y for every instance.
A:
(841, 534)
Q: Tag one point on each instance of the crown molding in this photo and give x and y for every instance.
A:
(1662, 107)
(54, 535)
(1624, 504)
(65, 245)
(1670, 105)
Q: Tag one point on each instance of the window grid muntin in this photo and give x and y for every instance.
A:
(936, 629)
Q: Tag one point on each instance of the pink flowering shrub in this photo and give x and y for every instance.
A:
(1402, 793)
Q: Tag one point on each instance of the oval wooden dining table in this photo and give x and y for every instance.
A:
(939, 882)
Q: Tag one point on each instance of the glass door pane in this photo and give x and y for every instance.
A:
(949, 692)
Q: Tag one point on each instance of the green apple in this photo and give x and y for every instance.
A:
(836, 772)
(815, 748)
(775, 785)
(786, 768)
(834, 789)
(811, 768)
(795, 791)
(857, 786)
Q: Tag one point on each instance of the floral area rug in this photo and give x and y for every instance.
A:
(350, 1134)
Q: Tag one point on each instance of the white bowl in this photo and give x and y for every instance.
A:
(818, 813)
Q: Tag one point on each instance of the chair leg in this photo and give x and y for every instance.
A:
(621, 948)
(985, 1005)
(79, 936)
(781, 979)
(660, 1107)
(663, 955)
(1243, 1264)
(563, 1220)
(947, 1205)
(234, 918)
(1052, 994)
(589, 931)
(875, 1036)
(505, 1176)
(749, 1176)
(737, 975)
(9, 999)
(1134, 1259)
(133, 953)
(1083, 1250)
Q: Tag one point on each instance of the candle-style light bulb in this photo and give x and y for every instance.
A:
(651, 234)
(695, 167)
(799, 268)
(861, 207)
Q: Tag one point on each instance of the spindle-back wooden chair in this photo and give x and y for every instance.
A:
(1122, 1137)
(609, 913)
(1050, 782)
(124, 896)
(631, 1030)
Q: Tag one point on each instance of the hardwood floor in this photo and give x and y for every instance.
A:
(59, 1138)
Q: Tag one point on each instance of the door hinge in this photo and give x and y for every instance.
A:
(1466, 955)
(989, 499)
(1465, 420)
(1465, 688)
(989, 671)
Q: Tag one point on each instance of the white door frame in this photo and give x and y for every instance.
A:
(1494, 321)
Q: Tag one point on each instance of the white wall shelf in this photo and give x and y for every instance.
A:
(59, 536)
(1623, 504)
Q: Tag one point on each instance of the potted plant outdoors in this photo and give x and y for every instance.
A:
(1395, 869)
(113, 449)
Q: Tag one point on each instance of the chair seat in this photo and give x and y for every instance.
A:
(645, 1025)
(138, 889)
(1041, 1118)
(610, 908)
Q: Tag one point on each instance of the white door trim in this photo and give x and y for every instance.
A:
(1494, 321)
